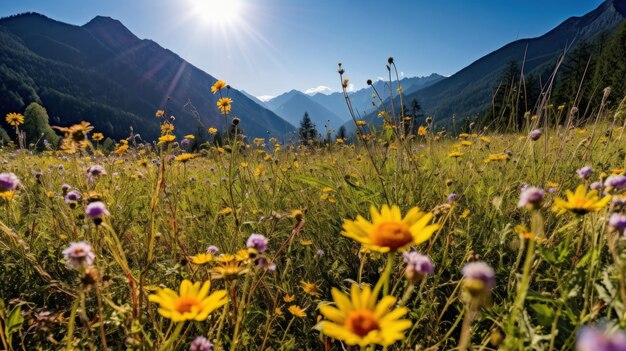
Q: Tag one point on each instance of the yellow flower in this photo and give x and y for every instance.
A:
(465, 214)
(225, 211)
(485, 139)
(202, 258)
(278, 311)
(228, 269)
(455, 154)
(185, 157)
(497, 157)
(212, 130)
(166, 139)
(289, 298)
(167, 128)
(159, 113)
(466, 143)
(193, 301)
(361, 123)
(580, 202)
(259, 170)
(97, 136)
(421, 131)
(310, 288)
(359, 320)
(305, 242)
(15, 119)
(190, 136)
(463, 135)
(7, 195)
(297, 311)
(121, 149)
(219, 85)
(224, 105)
(388, 231)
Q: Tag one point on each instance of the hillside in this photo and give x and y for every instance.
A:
(292, 105)
(102, 73)
(469, 91)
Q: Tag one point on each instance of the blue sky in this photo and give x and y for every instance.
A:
(267, 47)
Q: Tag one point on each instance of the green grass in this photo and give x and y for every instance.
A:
(164, 215)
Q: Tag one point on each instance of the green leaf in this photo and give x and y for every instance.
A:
(15, 320)
(543, 313)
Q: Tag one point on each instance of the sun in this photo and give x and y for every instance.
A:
(216, 12)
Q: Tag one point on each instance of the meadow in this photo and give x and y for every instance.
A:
(479, 240)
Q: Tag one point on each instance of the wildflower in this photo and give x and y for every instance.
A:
(212, 131)
(159, 113)
(319, 253)
(584, 172)
(201, 343)
(8, 182)
(96, 210)
(466, 143)
(219, 85)
(359, 319)
(531, 197)
(535, 134)
(184, 158)
(166, 139)
(14, 119)
(79, 255)
(595, 186)
(463, 136)
(361, 123)
(257, 242)
(185, 142)
(310, 288)
(278, 311)
(418, 266)
(212, 250)
(388, 231)
(615, 181)
(617, 221)
(455, 154)
(580, 202)
(224, 105)
(478, 278)
(121, 149)
(192, 303)
(202, 258)
(452, 197)
(289, 298)
(297, 311)
(97, 136)
(95, 171)
(65, 188)
(485, 139)
(72, 197)
(421, 131)
(228, 268)
(497, 157)
(592, 339)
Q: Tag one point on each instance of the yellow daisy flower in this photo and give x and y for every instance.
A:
(580, 202)
(219, 85)
(310, 288)
(202, 258)
(193, 301)
(185, 157)
(15, 119)
(455, 154)
(212, 130)
(166, 139)
(97, 136)
(297, 311)
(388, 231)
(359, 320)
(224, 105)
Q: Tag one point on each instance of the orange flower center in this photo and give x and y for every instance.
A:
(185, 303)
(361, 322)
(393, 235)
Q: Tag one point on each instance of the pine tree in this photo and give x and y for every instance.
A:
(341, 133)
(307, 131)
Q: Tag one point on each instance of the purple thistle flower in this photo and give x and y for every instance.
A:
(8, 182)
(65, 188)
(617, 221)
(531, 196)
(616, 181)
(418, 266)
(584, 172)
(262, 262)
(72, 196)
(592, 339)
(619, 200)
(79, 255)
(452, 197)
(320, 252)
(95, 171)
(212, 250)
(201, 343)
(481, 271)
(96, 210)
(258, 242)
(535, 134)
(595, 186)
(184, 142)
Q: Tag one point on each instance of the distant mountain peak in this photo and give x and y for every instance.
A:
(111, 31)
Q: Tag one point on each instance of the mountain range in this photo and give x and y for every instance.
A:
(469, 91)
(102, 73)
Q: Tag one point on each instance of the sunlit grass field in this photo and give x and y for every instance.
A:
(158, 217)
